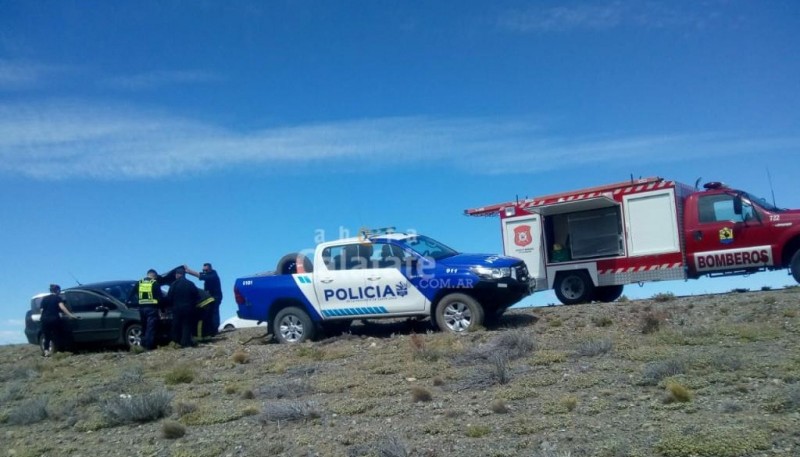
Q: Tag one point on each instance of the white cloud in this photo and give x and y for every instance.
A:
(12, 337)
(159, 78)
(608, 15)
(61, 140)
(17, 75)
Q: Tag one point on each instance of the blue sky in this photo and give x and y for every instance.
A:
(155, 133)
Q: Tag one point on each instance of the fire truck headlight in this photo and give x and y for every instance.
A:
(492, 273)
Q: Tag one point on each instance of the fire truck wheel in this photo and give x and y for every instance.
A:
(573, 287)
(607, 294)
(292, 325)
(458, 313)
(795, 265)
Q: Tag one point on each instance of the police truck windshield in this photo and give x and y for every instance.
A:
(428, 247)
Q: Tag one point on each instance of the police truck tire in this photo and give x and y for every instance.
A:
(573, 287)
(458, 313)
(292, 325)
(795, 266)
(133, 336)
(288, 264)
(607, 294)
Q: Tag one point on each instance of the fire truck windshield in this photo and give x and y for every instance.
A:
(762, 202)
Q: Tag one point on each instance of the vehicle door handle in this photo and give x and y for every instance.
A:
(698, 235)
(326, 281)
(374, 278)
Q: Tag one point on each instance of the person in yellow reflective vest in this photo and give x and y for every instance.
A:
(150, 298)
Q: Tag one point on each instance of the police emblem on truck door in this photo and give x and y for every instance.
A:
(522, 235)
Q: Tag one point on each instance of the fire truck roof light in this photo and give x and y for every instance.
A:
(509, 211)
(714, 185)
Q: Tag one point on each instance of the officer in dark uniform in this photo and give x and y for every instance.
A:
(183, 296)
(150, 298)
(211, 284)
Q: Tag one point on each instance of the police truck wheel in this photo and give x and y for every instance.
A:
(292, 325)
(573, 287)
(133, 336)
(607, 294)
(458, 313)
(795, 266)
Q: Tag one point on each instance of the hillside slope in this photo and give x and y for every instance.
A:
(675, 377)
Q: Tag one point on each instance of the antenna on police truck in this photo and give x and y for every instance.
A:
(697, 183)
(73, 277)
(769, 179)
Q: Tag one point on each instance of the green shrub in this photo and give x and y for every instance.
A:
(172, 430)
(663, 297)
(595, 347)
(498, 406)
(677, 392)
(146, 407)
(477, 431)
(420, 394)
(29, 412)
(654, 372)
(182, 374)
(713, 443)
(289, 410)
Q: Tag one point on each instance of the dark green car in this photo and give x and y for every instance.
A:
(106, 317)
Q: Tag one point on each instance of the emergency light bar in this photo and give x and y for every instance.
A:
(367, 232)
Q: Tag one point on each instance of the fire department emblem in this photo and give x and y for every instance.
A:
(522, 235)
(726, 235)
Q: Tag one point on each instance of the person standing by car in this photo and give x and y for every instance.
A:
(183, 297)
(150, 297)
(52, 305)
(211, 284)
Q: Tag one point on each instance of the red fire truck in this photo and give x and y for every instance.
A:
(587, 244)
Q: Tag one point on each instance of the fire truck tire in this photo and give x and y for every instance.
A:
(795, 266)
(573, 287)
(292, 325)
(458, 313)
(607, 294)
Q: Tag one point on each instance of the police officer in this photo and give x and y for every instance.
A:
(183, 296)
(149, 295)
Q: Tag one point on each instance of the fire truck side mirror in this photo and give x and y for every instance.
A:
(737, 205)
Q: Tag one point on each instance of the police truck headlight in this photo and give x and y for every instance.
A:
(492, 273)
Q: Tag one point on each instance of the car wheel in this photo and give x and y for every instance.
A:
(228, 327)
(607, 294)
(133, 336)
(292, 325)
(458, 313)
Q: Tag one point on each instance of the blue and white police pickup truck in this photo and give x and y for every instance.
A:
(384, 275)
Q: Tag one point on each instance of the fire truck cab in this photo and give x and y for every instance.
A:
(587, 244)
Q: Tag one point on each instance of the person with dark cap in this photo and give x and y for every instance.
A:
(52, 306)
(183, 297)
(211, 284)
(150, 299)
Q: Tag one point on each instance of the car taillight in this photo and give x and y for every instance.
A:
(238, 296)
